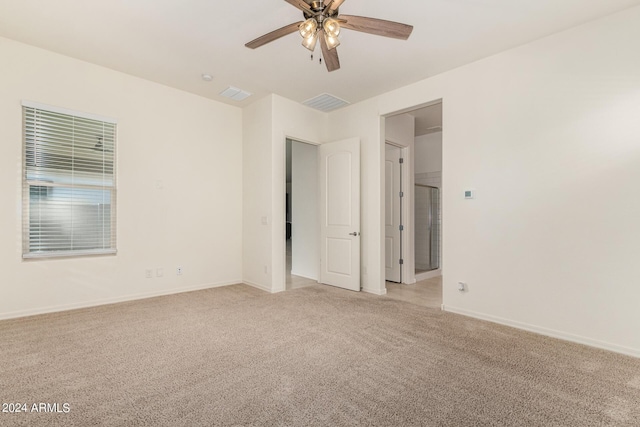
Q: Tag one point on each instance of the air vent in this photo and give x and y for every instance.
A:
(325, 102)
(235, 93)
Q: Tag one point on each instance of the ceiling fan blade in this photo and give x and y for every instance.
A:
(333, 4)
(301, 5)
(273, 35)
(331, 59)
(375, 26)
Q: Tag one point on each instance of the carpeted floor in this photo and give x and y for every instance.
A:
(316, 356)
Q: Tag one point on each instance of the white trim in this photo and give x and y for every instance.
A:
(303, 276)
(395, 144)
(60, 110)
(408, 212)
(64, 254)
(107, 301)
(428, 274)
(547, 332)
(261, 287)
(375, 291)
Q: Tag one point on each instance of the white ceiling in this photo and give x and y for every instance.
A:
(174, 41)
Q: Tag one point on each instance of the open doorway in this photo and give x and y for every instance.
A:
(422, 252)
(321, 209)
(302, 230)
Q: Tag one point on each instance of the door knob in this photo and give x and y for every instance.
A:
(355, 233)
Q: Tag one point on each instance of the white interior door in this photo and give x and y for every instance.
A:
(392, 240)
(340, 213)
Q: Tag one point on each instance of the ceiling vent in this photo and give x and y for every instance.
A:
(325, 102)
(235, 93)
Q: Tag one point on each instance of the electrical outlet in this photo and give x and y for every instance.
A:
(462, 286)
(178, 271)
(148, 273)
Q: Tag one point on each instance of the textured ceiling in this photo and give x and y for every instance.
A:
(174, 41)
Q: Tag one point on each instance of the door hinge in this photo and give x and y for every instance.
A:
(402, 228)
(401, 160)
(402, 194)
(401, 261)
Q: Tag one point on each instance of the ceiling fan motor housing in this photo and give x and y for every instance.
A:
(321, 12)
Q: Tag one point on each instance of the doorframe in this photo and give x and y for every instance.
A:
(281, 239)
(407, 270)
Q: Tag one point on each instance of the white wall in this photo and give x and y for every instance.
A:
(190, 144)
(305, 241)
(428, 149)
(301, 123)
(257, 217)
(547, 134)
(400, 130)
(267, 124)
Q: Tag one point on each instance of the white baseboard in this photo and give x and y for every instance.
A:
(259, 286)
(107, 301)
(375, 291)
(547, 332)
(428, 275)
(305, 276)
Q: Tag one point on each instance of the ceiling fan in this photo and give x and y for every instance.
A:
(323, 22)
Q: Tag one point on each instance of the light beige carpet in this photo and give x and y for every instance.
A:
(313, 356)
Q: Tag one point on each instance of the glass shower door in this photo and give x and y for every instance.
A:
(427, 228)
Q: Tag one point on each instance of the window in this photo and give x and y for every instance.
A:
(69, 183)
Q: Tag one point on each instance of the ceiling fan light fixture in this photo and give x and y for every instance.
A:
(331, 27)
(308, 28)
(310, 42)
(332, 42)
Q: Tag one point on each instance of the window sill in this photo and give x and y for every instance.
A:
(68, 254)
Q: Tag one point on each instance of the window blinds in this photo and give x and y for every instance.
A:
(69, 193)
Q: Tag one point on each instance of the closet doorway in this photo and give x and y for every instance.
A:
(421, 132)
(302, 222)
